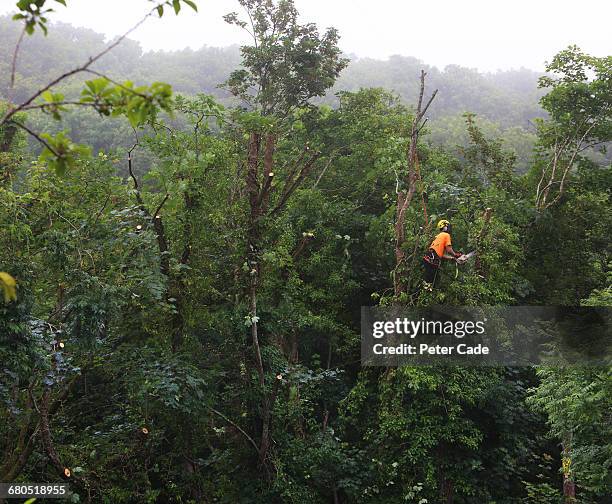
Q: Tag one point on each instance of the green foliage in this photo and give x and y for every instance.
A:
(580, 121)
(542, 493)
(495, 165)
(132, 320)
(138, 103)
(418, 426)
(577, 404)
(33, 13)
(579, 93)
(579, 225)
(175, 4)
(61, 153)
(288, 64)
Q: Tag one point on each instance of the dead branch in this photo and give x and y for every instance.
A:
(35, 135)
(14, 62)
(252, 182)
(306, 239)
(160, 206)
(327, 165)
(559, 151)
(236, 426)
(404, 197)
(306, 168)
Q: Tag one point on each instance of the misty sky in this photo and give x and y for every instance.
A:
(486, 34)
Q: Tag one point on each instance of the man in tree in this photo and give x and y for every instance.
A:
(440, 248)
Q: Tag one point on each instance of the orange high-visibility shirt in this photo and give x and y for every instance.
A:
(440, 242)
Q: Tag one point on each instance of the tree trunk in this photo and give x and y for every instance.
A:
(405, 194)
(253, 238)
(259, 201)
(569, 486)
(448, 494)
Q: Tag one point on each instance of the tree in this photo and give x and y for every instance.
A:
(580, 111)
(288, 63)
(576, 402)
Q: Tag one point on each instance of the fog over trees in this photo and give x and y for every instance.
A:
(503, 101)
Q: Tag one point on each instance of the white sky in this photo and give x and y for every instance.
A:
(486, 34)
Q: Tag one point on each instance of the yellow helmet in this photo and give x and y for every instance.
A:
(443, 224)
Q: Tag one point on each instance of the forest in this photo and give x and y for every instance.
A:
(187, 239)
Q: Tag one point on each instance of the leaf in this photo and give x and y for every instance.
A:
(177, 6)
(160, 10)
(8, 286)
(61, 153)
(132, 116)
(191, 4)
(63, 2)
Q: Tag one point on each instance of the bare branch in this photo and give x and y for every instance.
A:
(302, 175)
(404, 197)
(327, 165)
(130, 171)
(431, 99)
(558, 153)
(248, 11)
(234, 424)
(99, 213)
(264, 195)
(44, 106)
(421, 92)
(294, 169)
(35, 135)
(422, 126)
(252, 183)
(306, 239)
(156, 214)
(14, 62)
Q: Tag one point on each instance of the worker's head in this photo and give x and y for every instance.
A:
(444, 225)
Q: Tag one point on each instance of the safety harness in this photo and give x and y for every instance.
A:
(432, 258)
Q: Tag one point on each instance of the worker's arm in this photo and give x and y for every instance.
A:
(449, 253)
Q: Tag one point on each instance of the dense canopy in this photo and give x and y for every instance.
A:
(187, 239)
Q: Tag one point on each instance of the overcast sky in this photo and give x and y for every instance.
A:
(485, 34)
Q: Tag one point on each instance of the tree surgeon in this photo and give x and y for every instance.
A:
(440, 248)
